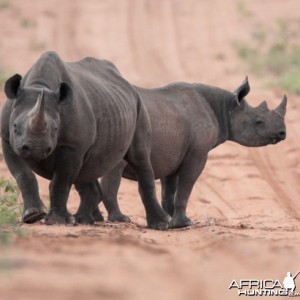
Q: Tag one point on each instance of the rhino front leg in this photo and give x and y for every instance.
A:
(68, 165)
(34, 209)
(188, 173)
(90, 196)
(110, 184)
(59, 193)
(168, 190)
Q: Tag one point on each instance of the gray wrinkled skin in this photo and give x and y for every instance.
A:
(71, 123)
(188, 120)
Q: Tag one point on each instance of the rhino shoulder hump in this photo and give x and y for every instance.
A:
(50, 54)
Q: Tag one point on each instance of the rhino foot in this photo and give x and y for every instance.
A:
(159, 223)
(180, 221)
(84, 219)
(33, 214)
(118, 217)
(55, 218)
(97, 216)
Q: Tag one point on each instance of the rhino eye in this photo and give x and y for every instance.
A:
(259, 122)
(54, 132)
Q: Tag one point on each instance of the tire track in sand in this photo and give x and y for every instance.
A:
(216, 199)
(268, 172)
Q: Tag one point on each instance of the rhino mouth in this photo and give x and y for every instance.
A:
(275, 140)
(36, 154)
(39, 156)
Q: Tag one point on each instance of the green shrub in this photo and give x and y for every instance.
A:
(3, 77)
(291, 81)
(274, 52)
(4, 4)
(10, 210)
(242, 8)
(26, 23)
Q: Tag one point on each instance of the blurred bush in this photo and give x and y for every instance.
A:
(272, 52)
(10, 210)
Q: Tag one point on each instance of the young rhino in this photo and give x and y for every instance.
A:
(188, 120)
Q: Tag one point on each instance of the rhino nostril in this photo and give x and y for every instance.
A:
(25, 148)
(281, 134)
(48, 150)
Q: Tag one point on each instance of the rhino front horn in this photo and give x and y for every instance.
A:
(281, 109)
(38, 121)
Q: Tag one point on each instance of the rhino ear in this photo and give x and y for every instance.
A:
(12, 86)
(64, 93)
(242, 91)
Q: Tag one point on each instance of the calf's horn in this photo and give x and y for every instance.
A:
(281, 109)
(263, 105)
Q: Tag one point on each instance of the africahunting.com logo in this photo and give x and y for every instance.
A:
(266, 287)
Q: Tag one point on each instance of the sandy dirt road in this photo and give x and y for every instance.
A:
(245, 206)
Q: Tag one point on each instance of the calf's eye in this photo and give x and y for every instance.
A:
(54, 131)
(259, 122)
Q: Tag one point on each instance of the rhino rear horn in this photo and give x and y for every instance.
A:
(263, 105)
(281, 109)
(242, 90)
(38, 122)
(12, 85)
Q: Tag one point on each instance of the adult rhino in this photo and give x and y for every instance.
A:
(71, 123)
(188, 120)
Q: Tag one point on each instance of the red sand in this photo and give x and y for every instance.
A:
(245, 206)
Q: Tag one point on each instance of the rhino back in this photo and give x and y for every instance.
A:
(181, 121)
(111, 99)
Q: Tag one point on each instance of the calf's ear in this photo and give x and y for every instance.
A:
(12, 86)
(64, 93)
(242, 91)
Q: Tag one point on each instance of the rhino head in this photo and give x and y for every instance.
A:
(256, 126)
(35, 120)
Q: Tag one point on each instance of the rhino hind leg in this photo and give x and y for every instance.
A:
(156, 217)
(187, 176)
(90, 196)
(110, 184)
(138, 157)
(168, 190)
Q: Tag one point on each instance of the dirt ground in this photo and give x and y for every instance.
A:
(245, 206)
